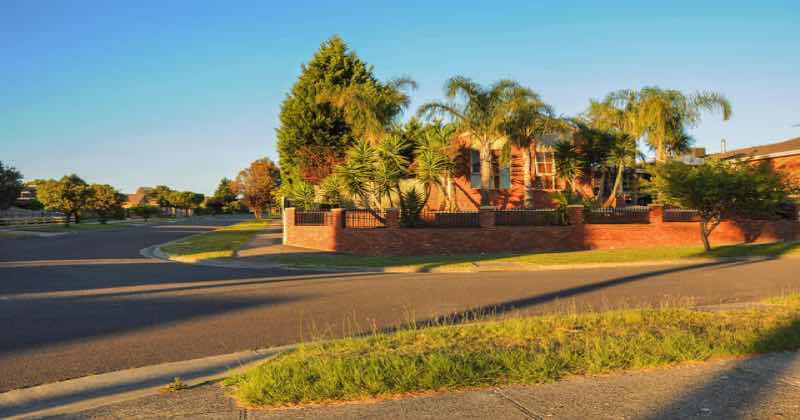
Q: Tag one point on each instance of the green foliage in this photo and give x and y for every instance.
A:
(411, 204)
(162, 194)
(105, 201)
(224, 192)
(332, 192)
(313, 134)
(10, 186)
(234, 207)
(32, 204)
(302, 195)
(146, 212)
(70, 195)
(718, 189)
(567, 162)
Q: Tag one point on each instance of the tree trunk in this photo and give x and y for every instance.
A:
(615, 189)
(526, 175)
(704, 233)
(601, 191)
(452, 203)
(257, 213)
(486, 171)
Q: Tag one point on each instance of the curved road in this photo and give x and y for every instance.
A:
(88, 303)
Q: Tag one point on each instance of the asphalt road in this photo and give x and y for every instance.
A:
(89, 303)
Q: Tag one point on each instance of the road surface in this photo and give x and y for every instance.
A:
(88, 303)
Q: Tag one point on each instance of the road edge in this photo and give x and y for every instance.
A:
(93, 391)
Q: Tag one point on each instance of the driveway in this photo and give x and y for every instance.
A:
(89, 303)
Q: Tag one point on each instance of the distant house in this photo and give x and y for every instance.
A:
(782, 157)
(140, 198)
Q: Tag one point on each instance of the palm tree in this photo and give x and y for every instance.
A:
(479, 116)
(433, 163)
(568, 163)
(621, 154)
(530, 120)
(663, 115)
(371, 110)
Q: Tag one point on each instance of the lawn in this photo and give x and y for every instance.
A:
(513, 261)
(80, 227)
(514, 351)
(218, 243)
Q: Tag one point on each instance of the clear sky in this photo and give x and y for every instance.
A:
(185, 92)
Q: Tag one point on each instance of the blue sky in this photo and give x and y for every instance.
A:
(184, 93)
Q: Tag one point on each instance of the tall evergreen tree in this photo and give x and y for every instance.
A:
(314, 135)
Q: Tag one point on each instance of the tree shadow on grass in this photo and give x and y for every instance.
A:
(734, 392)
(767, 250)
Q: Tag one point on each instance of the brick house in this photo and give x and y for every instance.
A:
(139, 198)
(782, 157)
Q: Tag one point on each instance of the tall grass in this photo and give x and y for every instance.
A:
(519, 350)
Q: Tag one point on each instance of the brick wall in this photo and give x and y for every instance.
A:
(395, 240)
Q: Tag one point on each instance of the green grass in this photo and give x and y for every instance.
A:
(513, 351)
(512, 261)
(80, 227)
(218, 243)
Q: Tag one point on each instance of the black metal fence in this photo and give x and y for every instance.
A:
(681, 215)
(442, 219)
(364, 219)
(312, 218)
(619, 215)
(533, 217)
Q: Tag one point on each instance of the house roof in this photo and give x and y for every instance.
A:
(783, 148)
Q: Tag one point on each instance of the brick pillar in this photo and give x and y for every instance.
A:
(486, 217)
(575, 214)
(288, 223)
(656, 213)
(337, 218)
(392, 218)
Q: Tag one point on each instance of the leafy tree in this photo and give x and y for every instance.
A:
(256, 184)
(621, 154)
(145, 211)
(224, 192)
(314, 134)
(479, 117)
(718, 189)
(105, 201)
(69, 195)
(234, 207)
(10, 186)
(162, 194)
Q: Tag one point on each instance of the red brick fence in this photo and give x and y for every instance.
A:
(358, 234)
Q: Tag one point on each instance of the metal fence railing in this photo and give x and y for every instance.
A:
(443, 219)
(681, 215)
(312, 218)
(619, 215)
(364, 219)
(533, 217)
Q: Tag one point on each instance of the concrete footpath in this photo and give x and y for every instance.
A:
(762, 387)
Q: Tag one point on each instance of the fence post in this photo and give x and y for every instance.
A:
(656, 214)
(337, 218)
(392, 219)
(575, 214)
(288, 223)
(486, 217)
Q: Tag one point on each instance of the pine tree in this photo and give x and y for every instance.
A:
(313, 135)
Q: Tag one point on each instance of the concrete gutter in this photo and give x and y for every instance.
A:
(97, 390)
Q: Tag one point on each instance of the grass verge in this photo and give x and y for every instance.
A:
(511, 261)
(519, 350)
(218, 243)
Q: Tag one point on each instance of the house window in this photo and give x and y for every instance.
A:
(545, 171)
(502, 173)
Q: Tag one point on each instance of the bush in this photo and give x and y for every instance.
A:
(146, 212)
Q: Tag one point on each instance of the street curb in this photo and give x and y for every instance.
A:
(97, 390)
